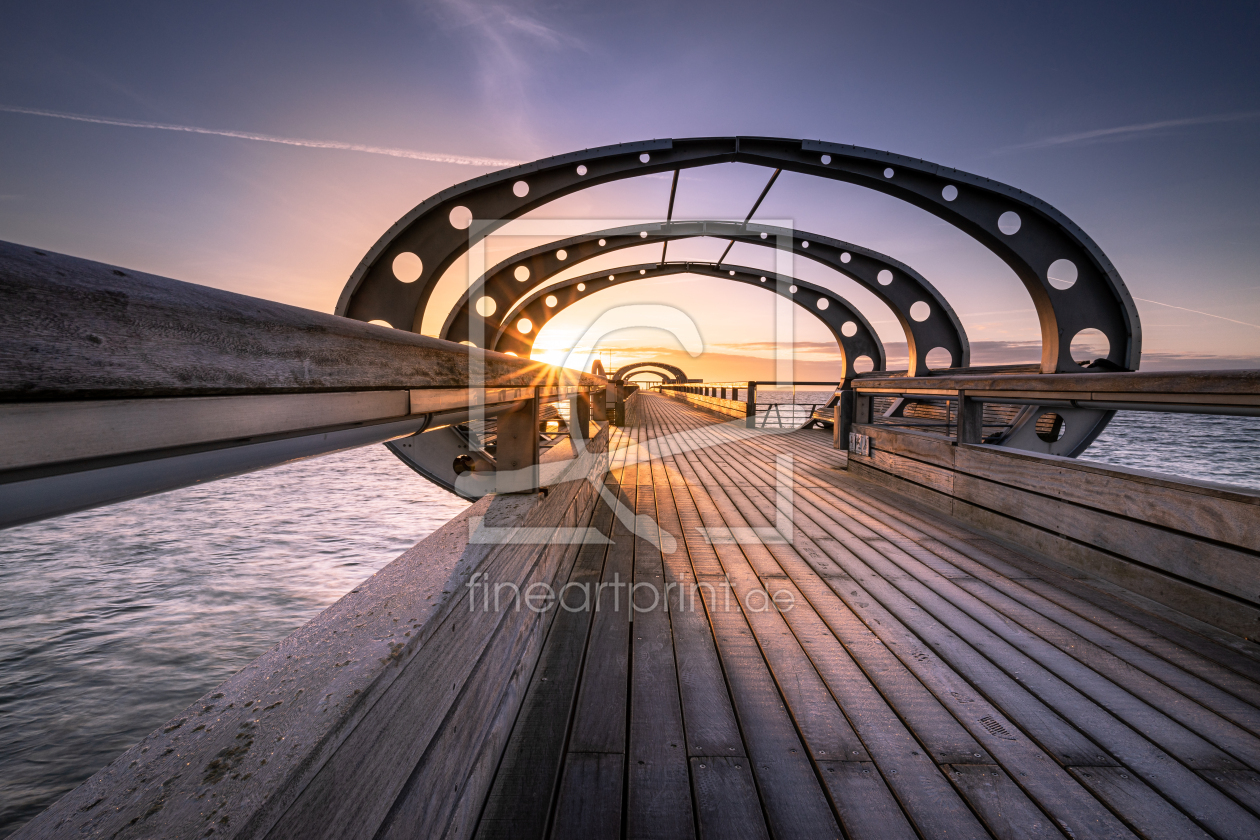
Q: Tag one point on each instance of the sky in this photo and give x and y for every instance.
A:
(264, 147)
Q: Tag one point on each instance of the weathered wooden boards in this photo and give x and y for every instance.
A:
(385, 716)
(1193, 546)
(75, 329)
(116, 384)
(726, 408)
(926, 681)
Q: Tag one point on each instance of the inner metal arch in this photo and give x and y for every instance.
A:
(646, 367)
(508, 283)
(835, 313)
(439, 230)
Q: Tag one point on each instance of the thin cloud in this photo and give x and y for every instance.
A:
(1197, 312)
(1126, 132)
(410, 154)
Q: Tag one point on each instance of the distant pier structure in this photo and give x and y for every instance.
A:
(903, 609)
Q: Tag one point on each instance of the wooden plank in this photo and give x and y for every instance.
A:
(726, 799)
(1006, 811)
(658, 801)
(866, 807)
(1147, 812)
(1208, 641)
(599, 719)
(931, 449)
(935, 478)
(1042, 778)
(72, 328)
(487, 705)
(1232, 519)
(708, 716)
(1170, 664)
(520, 799)
(588, 806)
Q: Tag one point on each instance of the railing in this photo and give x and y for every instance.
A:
(755, 398)
(975, 408)
(141, 384)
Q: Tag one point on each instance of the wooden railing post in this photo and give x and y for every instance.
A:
(579, 418)
(599, 405)
(750, 408)
(970, 419)
(516, 449)
(842, 422)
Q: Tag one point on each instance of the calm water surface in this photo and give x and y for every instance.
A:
(113, 620)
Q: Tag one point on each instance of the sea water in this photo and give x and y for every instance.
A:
(113, 620)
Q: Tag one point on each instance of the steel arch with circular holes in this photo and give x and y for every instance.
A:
(834, 311)
(893, 282)
(1028, 234)
(672, 370)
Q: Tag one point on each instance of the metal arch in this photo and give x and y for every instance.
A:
(1097, 299)
(672, 370)
(941, 328)
(838, 311)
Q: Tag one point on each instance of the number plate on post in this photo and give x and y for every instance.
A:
(859, 444)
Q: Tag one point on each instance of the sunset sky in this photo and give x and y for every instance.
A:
(264, 147)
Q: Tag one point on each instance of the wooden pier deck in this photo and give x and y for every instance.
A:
(915, 680)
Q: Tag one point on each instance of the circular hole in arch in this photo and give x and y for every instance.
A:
(938, 358)
(521, 273)
(804, 244)
(380, 322)
(732, 274)
(764, 235)
(888, 173)
(919, 310)
(486, 306)
(863, 364)
(763, 279)
(1051, 427)
(551, 300)
(603, 242)
(525, 326)
(562, 255)
(520, 189)
(950, 192)
(884, 277)
(461, 218)
(823, 303)
(643, 234)
(1009, 222)
(791, 290)
(581, 287)
(849, 329)
(610, 277)
(826, 159)
(1062, 274)
(643, 271)
(644, 158)
(845, 257)
(1090, 344)
(407, 267)
(581, 170)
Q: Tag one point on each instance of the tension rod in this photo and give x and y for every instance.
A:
(756, 204)
(669, 216)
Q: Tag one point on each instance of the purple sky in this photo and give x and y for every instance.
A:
(318, 125)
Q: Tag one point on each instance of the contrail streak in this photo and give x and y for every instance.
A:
(1197, 312)
(1120, 131)
(410, 154)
